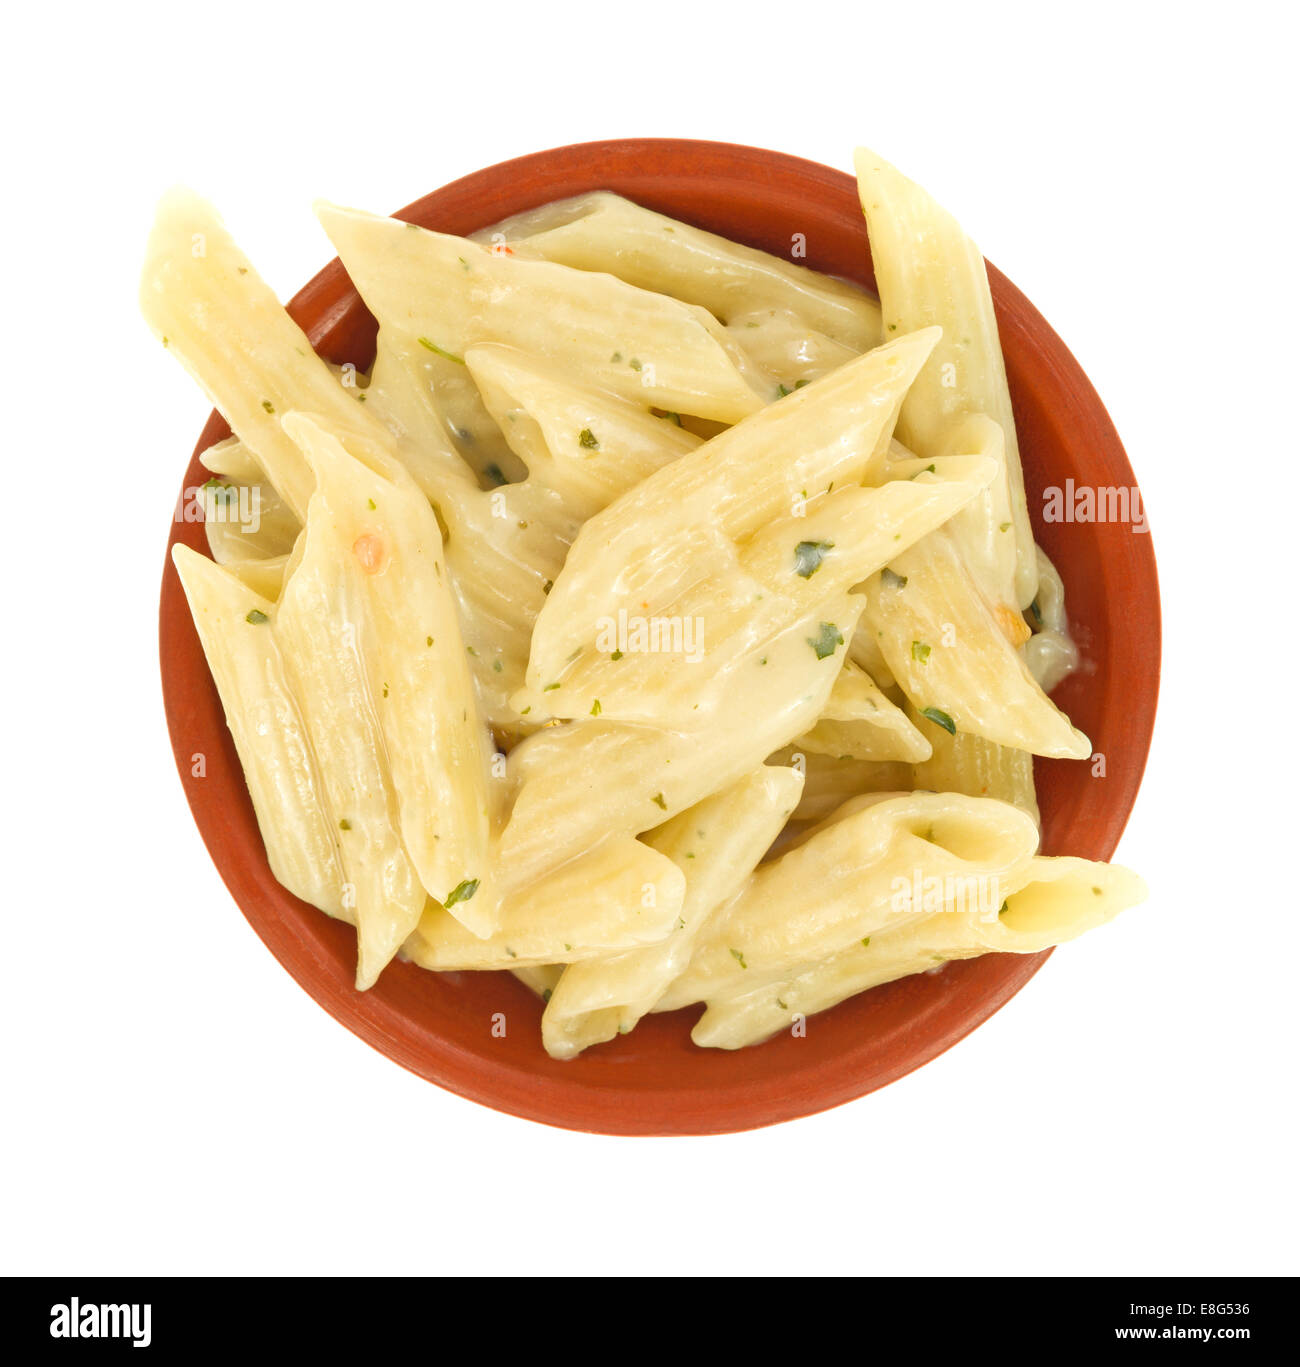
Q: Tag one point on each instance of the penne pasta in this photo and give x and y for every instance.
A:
(930, 273)
(605, 232)
(1058, 900)
(233, 623)
(644, 549)
(449, 294)
(944, 645)
(716, 845)
(617, 896)
(873, 864)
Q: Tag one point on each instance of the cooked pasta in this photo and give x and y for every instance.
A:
(655, 619)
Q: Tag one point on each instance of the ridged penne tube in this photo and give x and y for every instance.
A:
(829, 781)
(617, 896)
(450, 293)
(716, 844)
(399, 604)
(930, 273)
(263, 576)
(319, 625)
(605, 232)
(944, 646)
(589, 446)
(247, 522)
(965, 763)
(575, 782)
(231, 459)
(201, 296)
(728, 617)
(781, 344)
(641, 552)
(1058, 900)
(233, 623)
(860, 722)
(868, 868)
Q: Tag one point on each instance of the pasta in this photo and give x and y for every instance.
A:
(656, 619)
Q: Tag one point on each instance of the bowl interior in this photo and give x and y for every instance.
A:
(446, 1027)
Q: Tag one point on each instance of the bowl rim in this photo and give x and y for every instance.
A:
(974, 990)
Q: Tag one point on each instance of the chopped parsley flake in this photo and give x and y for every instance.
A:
(659, 802)
(940, 719)
(635, 364)
(617, 655)
(438, 351)
(256, 617)
(920, 652)
(739, 958)
(890, 580)
(268, 405)
(587, 440)
(595, 707)
(345, 825)
(462, 892)
(808, 557)
(827, 638)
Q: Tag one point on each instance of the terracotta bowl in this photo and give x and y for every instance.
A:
(654, 1081)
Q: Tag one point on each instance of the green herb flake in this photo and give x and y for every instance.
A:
(428, 640)
(595, 707)
(1037, 611)
(370, 503)
(1096, 892)
(799, 384)
(808, 557)
(616, 358)
(495, 473)
(890, 580)
(617, 655)
(866, 940)
(548, 586)
(497, 666)
(439, 351)
(1004, 526)
(940, 719)
(659, 802)
(920, 652)
(781, 391)
(826, 640)
(546, 995)
(256, 617)
(462, 892)
(550, 687)
(739, 958)
(345, 825)
(587, 440)
(635, 364)
(674, 418)
(268, 405)
(1004, 908)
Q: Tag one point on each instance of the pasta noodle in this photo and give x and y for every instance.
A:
(656, 619)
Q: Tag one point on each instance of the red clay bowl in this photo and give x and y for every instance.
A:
(654, 1081)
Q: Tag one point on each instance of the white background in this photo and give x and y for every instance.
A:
(173, 1102)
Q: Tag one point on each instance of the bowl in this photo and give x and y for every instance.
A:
(654, 1081)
